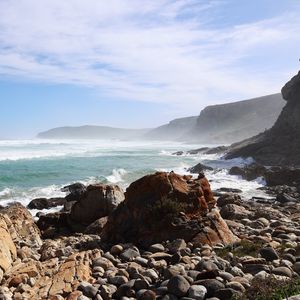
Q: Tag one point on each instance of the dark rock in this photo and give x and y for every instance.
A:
(227, 294)
(216, 150)
(255, 268)
(88, 289)
(43, 203)
(178, 286)
(212, 286)
(75, 191)
(197, 151)
(199, 168)
(269, 253)
(96, 227)
(147, 295)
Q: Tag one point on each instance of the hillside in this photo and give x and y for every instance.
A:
(232, 122)
(174, 130)
(92, 132)
(279, 145)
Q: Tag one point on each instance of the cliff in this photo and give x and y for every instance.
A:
(279, 145)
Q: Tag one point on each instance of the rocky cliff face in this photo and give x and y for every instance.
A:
(280, 145)
(232, 122)
(167, 206)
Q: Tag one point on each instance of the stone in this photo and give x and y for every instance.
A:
(212, 286)
(178, 286)
(233, 211)
(282, 271)
(197, 292)
(116, 249)
(156, 248)
(296, 267)
(269, 253)
(129, 254)
(147, 295)
(88, 289)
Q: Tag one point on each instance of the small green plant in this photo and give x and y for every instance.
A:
(240, 249)
(272, 289)
(165, 208)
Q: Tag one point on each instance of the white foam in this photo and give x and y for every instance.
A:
(117, 175)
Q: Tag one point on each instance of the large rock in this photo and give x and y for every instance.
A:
(280, 144)
(96, 202)
(8, 252)
(199, 168)
(166, 206)
(23, 229)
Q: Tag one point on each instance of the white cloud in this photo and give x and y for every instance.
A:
(158, 51)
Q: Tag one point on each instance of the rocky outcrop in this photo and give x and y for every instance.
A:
(23, 229)
(280, 145)
(8, 252)
(167, 206)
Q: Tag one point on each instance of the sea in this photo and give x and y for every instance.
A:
(38, 168)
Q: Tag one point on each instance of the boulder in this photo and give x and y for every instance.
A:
(23, 229)
(43, 203)
(96, 202)
(166, 206)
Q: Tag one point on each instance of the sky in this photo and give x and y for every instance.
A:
(138, 63)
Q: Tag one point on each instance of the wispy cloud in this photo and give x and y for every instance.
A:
(158, 51)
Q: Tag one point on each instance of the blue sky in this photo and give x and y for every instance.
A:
(134, 63)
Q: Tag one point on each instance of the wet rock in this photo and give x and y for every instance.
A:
(43, 203)
(199, 168)
(74, 191)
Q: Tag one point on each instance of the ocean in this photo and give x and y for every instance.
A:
(40, 168)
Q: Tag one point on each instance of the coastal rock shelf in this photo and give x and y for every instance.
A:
(188, 251)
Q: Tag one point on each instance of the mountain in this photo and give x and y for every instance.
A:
(280, 145)
(92, 132)
(232, 122)
(174, 130)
